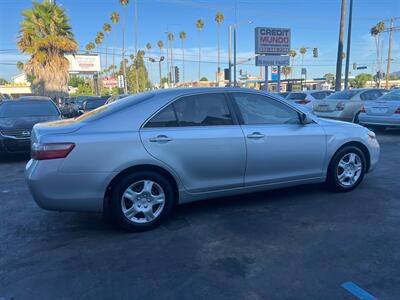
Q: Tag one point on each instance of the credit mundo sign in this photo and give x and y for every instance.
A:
(273, 41)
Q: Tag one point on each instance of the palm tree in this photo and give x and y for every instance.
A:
(170, 42)
(292, 54)
(20, 65)
(89, 47)
(286, 71)
(219, 18)
(124, 3)
(182, 36)
(114, 19)
(376, 33)
(303, 52)
(148, 47)
(107, 30)
(199, 26)
(46, 35)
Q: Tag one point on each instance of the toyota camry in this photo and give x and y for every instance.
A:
(139, 157)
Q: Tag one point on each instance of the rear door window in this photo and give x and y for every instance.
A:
(203, 110)
(165, 118)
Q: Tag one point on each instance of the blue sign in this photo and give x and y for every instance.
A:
(362, 68)
(274, 73)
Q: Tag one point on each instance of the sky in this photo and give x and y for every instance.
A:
(313, 24)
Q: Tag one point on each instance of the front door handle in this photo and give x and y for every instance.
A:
(160, 139)
(255, 135)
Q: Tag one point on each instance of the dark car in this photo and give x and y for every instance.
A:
(17, 118)
(91, 104)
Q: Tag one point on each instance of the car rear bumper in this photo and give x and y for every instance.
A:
(390, 120)
(53, 190)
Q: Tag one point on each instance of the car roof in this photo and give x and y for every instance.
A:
(35, 98)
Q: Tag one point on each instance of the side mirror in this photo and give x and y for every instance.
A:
(304, 119)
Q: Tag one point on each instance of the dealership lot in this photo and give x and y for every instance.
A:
(301, 241)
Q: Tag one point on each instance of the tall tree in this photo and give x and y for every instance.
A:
(303, 52)
(160, 45)
(292, 54)
(182, 36)
(20, 65)
(124, 3)
(107, 30)
(114, 19)
(89, 47)
(170, 45)
(376, 33)
(200, 26)
(148, 47)
(219, 18)
(46, 35)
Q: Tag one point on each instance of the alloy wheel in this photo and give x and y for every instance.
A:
(349, 169)
(143, 201)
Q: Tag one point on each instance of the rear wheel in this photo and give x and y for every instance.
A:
(141, 201)
(347, 169)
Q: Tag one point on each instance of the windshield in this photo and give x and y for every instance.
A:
(392, 96)
(344, 95)
(296, 96)
(27, 109)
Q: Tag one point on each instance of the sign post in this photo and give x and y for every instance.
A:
(274, 45)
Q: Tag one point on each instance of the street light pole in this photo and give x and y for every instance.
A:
(338, 79)
(234, 55)
(346, 74)
(389, 53)
(230, 55)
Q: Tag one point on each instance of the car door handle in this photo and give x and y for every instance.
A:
(160, 138)
(255, 135)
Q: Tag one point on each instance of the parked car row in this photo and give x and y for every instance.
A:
(372, 107)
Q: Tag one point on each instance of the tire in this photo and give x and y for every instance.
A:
(132, 201)
(338, 178)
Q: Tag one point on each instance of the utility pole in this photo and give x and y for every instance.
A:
(346, 74)
(389, 53)
(230, 55)
(338, 79)
(136, 50)
(234, 56)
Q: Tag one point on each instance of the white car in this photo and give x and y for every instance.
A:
(308, 98)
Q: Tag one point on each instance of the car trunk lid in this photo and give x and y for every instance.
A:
(382, 107)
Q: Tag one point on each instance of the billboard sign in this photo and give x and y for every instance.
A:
(272, 40)
(83, 63)
(272, 60)
(110, 82)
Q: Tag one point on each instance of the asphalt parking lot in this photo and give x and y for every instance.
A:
(298, 243)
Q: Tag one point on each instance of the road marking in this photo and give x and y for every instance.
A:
(357, 291)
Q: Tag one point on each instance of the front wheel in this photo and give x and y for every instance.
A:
(141, 201)
(347, 169)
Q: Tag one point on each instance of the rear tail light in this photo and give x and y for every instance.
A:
(362, 109)
(304, 101)
(340, 106)
(397, 111)
(51, 151)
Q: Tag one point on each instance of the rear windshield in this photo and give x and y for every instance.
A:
(296, 96)
(115, 106)
(27, 109)
(392, 96)
(344, 95)
(92, 104)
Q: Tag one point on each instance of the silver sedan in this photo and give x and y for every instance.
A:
(139, 157)
(383, 112)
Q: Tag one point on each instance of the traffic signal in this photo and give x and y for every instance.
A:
(176, 74)
(227, 74)
(315, 52)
